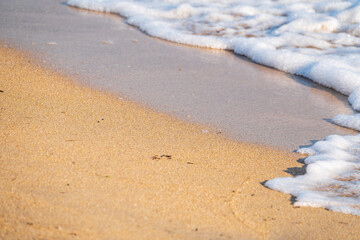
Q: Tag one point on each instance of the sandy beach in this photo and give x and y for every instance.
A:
(78, 163)
(213, 87)
(111, 134)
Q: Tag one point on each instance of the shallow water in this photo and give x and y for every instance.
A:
(316, 39)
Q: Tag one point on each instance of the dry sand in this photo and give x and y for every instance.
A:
(76, 163)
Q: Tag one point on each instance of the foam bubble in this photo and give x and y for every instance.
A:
(349, 121)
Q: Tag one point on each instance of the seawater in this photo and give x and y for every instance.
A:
(317, 39)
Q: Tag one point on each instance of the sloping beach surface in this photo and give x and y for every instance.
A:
(78, 164)
(240, 99)
(315, 39)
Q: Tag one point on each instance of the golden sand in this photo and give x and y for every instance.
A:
(76, 163)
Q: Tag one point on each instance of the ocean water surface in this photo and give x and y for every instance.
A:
(317, 39)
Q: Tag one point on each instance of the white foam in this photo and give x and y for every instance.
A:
(332, 176)
(317, 39)
(349, 121)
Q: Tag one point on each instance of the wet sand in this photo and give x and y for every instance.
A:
(76, 163)
(243, 100)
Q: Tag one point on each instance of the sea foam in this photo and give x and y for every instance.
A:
(317, 39)
(332, 176)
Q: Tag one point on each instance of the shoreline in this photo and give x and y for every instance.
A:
(79, 163)
(214, 88)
